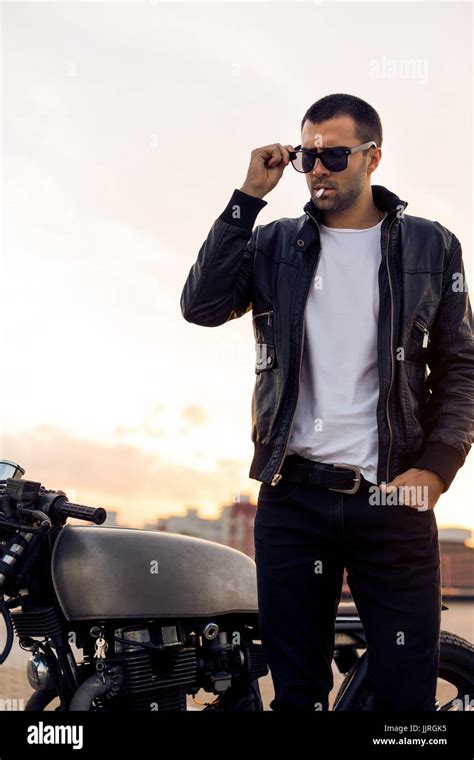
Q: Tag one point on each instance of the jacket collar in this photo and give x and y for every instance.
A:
(384, 199)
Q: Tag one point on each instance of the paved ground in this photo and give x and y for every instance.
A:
(14, 686)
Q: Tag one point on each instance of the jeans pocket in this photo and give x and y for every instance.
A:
(283, 490)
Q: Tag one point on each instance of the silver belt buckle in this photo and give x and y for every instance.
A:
(355, 470)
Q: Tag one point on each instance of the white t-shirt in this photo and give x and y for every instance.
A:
(335, 418)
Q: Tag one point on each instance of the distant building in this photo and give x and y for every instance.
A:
(238, 520)
(457, 561)
(191, 524)
(459, 535)
(234, 526)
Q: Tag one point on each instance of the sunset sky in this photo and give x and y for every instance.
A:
(125, 129)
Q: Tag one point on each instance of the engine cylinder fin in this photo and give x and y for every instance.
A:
(154, 681)
(41, 622)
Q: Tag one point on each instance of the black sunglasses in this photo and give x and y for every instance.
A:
(334, 159)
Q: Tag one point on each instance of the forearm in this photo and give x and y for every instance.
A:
(218, 286)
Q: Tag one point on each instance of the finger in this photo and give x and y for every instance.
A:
(285, 153)
(404, 496)
(396, 482)
(276, 155)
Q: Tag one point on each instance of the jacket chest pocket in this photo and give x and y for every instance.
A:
(417, 341)
(264, 332)
(422, 333)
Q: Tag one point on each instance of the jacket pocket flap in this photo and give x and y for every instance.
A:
(265, 357)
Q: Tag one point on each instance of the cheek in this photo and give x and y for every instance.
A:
(354, 179)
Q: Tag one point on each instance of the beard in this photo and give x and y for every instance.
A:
(342, 199)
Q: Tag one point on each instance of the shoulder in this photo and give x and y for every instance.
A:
(279, 229)
(419, 230)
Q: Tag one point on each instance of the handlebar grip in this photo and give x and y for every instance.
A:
(97, 515)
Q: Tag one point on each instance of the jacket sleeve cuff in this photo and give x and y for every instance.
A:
(242, 210)
(442, 459)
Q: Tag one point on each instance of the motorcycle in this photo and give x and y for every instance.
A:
(119, 619)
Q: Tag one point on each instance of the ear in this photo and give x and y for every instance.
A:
(375, 158)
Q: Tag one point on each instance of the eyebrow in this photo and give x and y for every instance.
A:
(328, 147)
(321, 147)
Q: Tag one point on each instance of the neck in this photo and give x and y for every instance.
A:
(363, 214)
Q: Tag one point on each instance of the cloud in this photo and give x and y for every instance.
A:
(145, 429)
(138, 485)
(196, 415)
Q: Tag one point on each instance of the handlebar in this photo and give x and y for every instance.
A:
(29, 509)
(26, 502)
(63, 509)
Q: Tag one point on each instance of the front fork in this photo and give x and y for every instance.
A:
(349, 699)
(52, 667)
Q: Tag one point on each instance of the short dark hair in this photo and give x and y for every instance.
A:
(367, 120)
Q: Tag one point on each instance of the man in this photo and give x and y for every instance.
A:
(354, 439)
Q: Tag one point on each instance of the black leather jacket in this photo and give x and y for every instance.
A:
(425, 410)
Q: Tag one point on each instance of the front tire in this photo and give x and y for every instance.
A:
(456, 668)
(39, 700)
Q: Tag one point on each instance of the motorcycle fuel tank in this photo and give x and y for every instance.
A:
(101, 572)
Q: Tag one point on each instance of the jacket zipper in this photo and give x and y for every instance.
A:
(426, 333)
(262, 313)
(387, 411)
(278, 476)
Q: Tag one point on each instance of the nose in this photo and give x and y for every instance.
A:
(319, 169)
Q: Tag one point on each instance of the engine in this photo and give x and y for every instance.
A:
(159, 665)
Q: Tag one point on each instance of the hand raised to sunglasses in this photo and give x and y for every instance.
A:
(266, 168)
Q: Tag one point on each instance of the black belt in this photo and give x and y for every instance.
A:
(346, 478)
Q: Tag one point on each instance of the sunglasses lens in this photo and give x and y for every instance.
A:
(303, 162)
(335, 160)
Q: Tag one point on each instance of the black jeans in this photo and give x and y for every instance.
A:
(305, 535)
